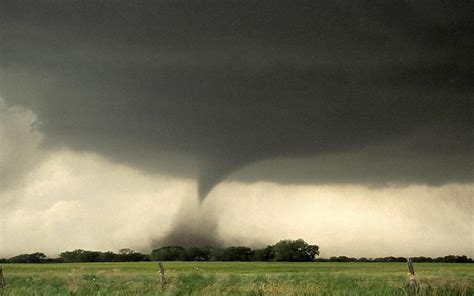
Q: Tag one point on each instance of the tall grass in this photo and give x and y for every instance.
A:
(236, 279)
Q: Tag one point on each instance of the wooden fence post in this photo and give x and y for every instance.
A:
(2, 280)
(411, 277)
(162, 275)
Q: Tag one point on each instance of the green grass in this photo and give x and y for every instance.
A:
(236, 278)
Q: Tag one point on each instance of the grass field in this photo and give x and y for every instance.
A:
(236, 278)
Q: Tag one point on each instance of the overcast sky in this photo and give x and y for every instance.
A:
(137, 124)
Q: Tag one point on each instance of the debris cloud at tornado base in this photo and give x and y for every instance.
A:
(196, 224)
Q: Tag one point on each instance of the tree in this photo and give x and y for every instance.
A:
(295, 250)
(169, 253)
(266, 254)
(71, 256)
(90, 256)
(36, 257)
(28, 258)
(198, 254)
(108, 257)
(342, 259)
(234, 254)
(126, 251)
(80, 255)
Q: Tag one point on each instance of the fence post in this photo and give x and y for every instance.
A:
(411, 277)
(162, 275)
(2, 280)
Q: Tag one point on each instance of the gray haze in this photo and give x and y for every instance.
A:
(375, 94)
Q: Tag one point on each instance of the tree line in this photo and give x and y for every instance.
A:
(283, 251)
(79, 255)
(444, 259)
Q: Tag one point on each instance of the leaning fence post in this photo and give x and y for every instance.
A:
(411, 277)
(2, 280)
(162, 275)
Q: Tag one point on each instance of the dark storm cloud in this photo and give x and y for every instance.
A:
(201, 89)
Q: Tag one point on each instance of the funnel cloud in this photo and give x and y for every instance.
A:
(317, 108)
(202, 89)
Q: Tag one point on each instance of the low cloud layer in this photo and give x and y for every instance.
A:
(351, 220)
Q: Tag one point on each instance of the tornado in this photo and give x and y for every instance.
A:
(206, 90)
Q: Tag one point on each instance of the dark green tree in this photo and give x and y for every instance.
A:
(238, 253)
(265, 254)
(28, 258)
(198, 253)
(169, 253)
(295, 250)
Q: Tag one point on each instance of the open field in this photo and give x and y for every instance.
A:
(236, 278)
